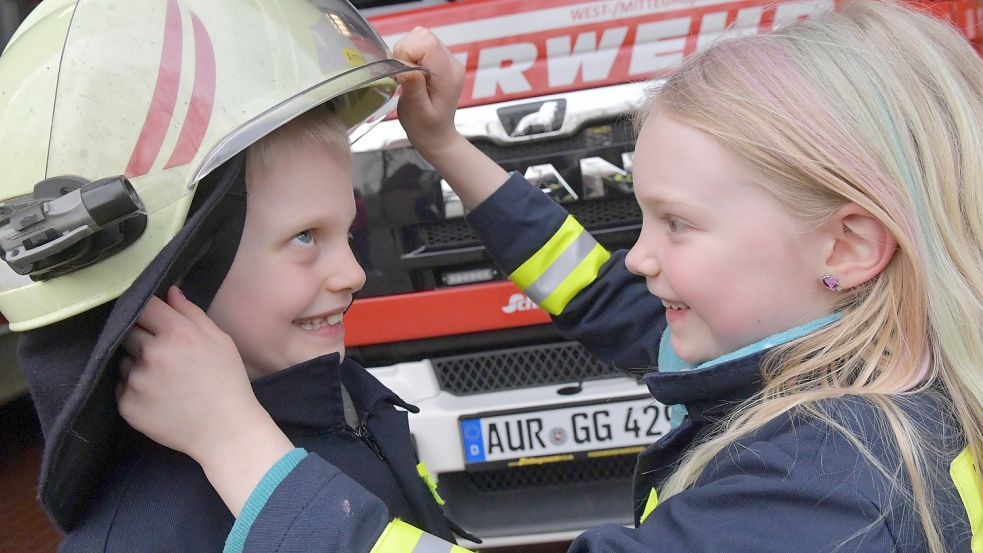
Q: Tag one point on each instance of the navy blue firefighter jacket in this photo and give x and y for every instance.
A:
(156, 499)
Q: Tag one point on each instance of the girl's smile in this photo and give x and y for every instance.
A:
(675, 314)
(730, 260)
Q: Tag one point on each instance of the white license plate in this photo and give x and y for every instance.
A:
(567, 430)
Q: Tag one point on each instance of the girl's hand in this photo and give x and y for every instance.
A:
(426, 110)
(183, 384)
(428, 101)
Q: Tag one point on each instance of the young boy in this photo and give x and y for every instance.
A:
(261, 243)
(282, 302)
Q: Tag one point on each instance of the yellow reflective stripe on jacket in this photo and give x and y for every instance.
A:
(421, 469)
(967, 480)
(650, 505)
(582, 275)
(400, 537)
(563, 266)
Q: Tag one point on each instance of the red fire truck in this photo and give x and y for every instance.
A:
(530, 438)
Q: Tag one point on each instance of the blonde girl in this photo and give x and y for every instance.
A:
(880, 107)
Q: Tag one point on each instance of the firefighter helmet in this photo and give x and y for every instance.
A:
(111, 111)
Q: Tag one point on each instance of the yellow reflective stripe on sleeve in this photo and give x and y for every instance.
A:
(399, 537)
(651, 504)
(967, 480)
(565, 265)
(421, 469)
(535, 266)
(584, 274)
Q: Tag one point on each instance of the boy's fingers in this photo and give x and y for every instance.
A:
(157, 316)
(190, 311)
(125, 366)
(135, 340)
(120, 388)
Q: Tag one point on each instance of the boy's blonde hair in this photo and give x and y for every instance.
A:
(321, 126)
(881, 106)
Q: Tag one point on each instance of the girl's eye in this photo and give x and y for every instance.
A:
(675, 225)
(305, 238)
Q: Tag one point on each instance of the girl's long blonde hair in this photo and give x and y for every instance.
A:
(878, 105)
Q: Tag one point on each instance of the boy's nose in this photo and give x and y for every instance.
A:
(347, 274)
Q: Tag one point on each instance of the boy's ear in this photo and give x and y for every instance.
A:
(860, 246)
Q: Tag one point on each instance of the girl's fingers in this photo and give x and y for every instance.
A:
(421, 47)
(414, 84)
(411, 47)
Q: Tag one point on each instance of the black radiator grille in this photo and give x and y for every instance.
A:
(598, 214)
(453, 233)
(593, 214)
(621, 132)
(514, 368)
(551, 475)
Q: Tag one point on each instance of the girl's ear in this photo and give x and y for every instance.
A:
(860, 246)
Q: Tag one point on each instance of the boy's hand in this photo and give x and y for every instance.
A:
(183, 384)
(182, 378)
(428, 101)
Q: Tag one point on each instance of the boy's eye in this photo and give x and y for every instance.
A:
(675, 225)
(305, 238)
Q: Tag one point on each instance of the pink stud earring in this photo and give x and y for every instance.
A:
(831, 283)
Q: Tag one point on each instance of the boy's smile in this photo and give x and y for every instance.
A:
(322, 322)
(730, 263)
(284, 299)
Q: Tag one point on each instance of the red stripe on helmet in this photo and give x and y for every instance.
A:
(165, 97)
(202, 98)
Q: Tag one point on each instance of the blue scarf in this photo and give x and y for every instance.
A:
(670, 362)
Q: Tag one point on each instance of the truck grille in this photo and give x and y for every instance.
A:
(620, 131)
(593, 214)
(597, 214)
(453, 233)
(525, 367)
(554, 474)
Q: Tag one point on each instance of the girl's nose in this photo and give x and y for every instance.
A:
(641, 260)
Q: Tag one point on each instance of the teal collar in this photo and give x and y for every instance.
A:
(670, 362)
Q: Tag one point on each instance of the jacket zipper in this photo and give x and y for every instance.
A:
(363, 434)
